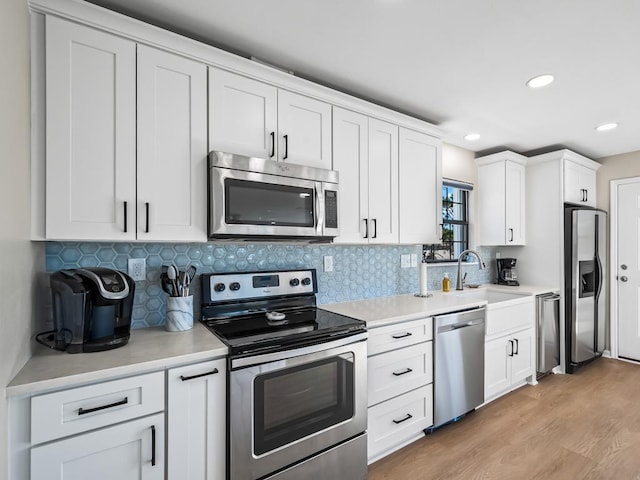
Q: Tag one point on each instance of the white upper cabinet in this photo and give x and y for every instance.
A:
(365, 152)
(420, 177)
(252, 118)
(90, 134)
(172, 147)
(110, 176)
(579, 183)
(501, 199)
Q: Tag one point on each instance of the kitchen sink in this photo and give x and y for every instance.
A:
(495, 297)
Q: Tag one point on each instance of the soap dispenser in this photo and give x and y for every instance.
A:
(446, 283)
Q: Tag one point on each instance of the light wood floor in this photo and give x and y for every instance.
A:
(580, 426)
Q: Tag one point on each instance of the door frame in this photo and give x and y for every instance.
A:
(613, 254)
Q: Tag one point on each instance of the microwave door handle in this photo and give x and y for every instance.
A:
(319, 210)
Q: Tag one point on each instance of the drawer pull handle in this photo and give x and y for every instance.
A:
(191, 377)
(82, 411)
(403, 419)
(408, 370)
(397, 337)
(153, 445)
(517, 347)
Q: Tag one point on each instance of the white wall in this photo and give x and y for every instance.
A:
(616, 167)
(459, 164)
(18, 256)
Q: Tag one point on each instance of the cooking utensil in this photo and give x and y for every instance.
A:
(172, 273)
(191, 272)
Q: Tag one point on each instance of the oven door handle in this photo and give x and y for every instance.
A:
(298, 352)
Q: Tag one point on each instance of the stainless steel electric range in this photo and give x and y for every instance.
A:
(297, 377)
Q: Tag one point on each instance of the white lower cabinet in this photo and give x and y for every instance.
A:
(509, 360)
(196, 428)
(128, 451)
(400, 389)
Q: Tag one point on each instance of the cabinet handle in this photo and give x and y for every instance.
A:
(286, 147)
(403, 419)
(511, 234)
(82, 411)
(517, 347)
(153, 445)
(273, 144)
(146, 205)
(404, 372)
(125, 217)
(511, 344)
(191, 377)
(375, 228)
(366, 228)
(397, 337)
(586, 195)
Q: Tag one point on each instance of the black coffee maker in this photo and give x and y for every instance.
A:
(507, 272)
(92, 309)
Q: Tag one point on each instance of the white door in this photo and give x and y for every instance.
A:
(305, 130)
(573, 188)
(243, 115)
(491, 203)
(588, 183)
(420, 189)
(90, 137)
(522, 360)
(196, 421)
(497, 367)
(129, 451)
(514, 203)
(383, 182)
(627, 269)
(172, 147)
(350, 159)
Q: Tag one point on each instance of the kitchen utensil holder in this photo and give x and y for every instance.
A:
(179, 314)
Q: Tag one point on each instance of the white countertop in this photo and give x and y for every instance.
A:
(148, 349)
(377, 312)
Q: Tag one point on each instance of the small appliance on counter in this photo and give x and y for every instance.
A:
(92, 310)
(507, 272)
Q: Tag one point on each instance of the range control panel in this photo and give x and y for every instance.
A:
(239, 286)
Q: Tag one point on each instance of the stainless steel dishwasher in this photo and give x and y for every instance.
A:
(459, 364)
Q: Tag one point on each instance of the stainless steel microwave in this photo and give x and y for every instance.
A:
(252, 198)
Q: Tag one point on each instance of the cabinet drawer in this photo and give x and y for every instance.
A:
(58, 414)
(393, 373)
(399, 419)
(399, 335)
(510, 318)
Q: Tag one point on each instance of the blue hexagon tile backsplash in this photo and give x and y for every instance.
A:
(360, 271)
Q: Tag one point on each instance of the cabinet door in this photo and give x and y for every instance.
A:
(350, 159)
(172, 147)
(514, 203)
(305, 130)
(491, 203)
(497, 367)
(420, 177)
(196, 421)
(588, 182)
(129, 451)
(573, 190)
(243, 115)
(522, 362)
(90, 135)
(383, 182)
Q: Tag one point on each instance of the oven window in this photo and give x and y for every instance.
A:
(259, 203)
(293, 403)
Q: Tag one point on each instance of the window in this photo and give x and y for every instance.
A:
(455, 223)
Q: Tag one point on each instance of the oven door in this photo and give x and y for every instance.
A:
(259, 204)
(291, 405)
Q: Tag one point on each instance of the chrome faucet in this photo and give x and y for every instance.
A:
(481, 265)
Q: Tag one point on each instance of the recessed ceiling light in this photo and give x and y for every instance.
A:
(540, 81)
(472, 136)
(606, 126)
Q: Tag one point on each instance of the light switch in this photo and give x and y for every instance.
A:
(405, 261)
(414, 259)
(328, 263)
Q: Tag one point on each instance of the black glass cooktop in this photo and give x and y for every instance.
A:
(255, 332)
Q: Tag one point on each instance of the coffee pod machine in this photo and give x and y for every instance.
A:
(92, 310)
(507, 272)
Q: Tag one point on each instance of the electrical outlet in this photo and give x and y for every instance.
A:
(405, 261)
(328, 263)
(414, 259)
(138, 269)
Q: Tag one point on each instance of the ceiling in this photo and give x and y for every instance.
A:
(460, 64)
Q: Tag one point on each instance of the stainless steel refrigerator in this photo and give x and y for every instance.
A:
(585, 274)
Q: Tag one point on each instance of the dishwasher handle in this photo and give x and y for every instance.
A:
(458, 326)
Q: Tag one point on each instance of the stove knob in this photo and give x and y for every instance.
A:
(306, 281)
(234, 286)
(219, 287)
(294, 282)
